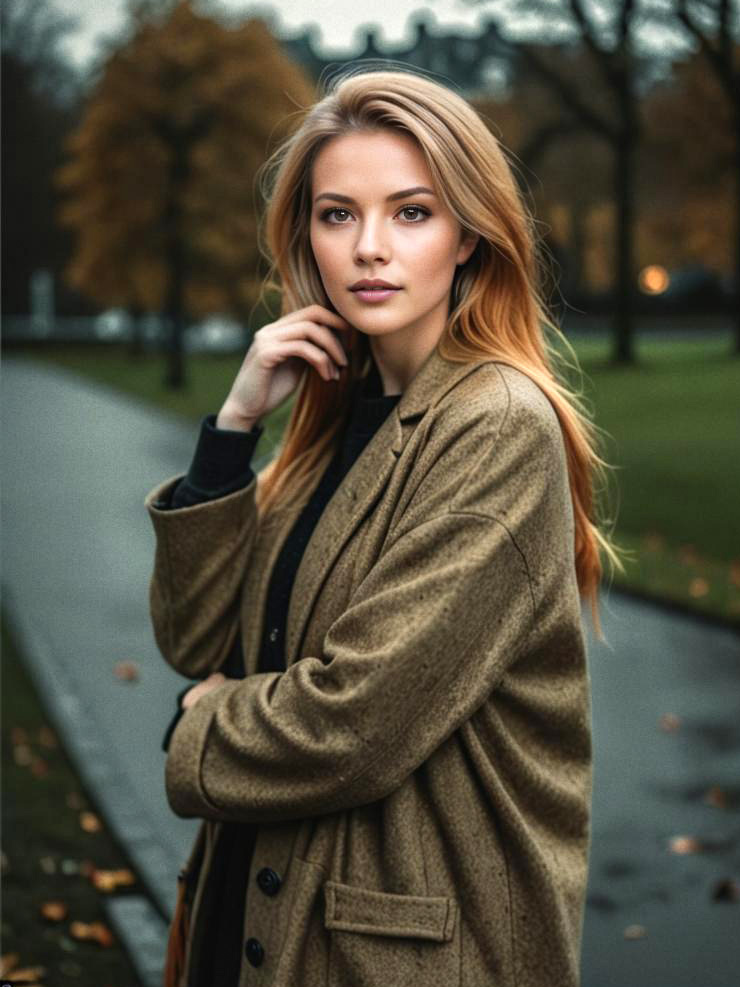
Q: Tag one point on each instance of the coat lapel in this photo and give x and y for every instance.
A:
(357, 494)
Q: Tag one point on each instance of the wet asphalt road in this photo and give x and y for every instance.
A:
(77, 462)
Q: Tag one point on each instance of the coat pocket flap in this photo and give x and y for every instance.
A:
(355, 909)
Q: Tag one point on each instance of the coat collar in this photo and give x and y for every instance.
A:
(362, 487)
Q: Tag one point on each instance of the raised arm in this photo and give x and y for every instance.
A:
(198, 572)
(194, 571)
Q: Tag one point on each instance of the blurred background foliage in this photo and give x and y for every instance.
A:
(159, 185)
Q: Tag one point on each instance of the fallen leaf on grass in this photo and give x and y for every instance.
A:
(716, 796)
(698, 587)
(684, 844)
(7, 962)
(735, 573)
(109, 880)
(670, 722)
(39, 767)
(53, 911)
(90, 822)
(9, 970)
(73, 800)
(726, 890)
(18, 735)
(87, 868)
(635, 932)
(22, 755)
(95, 931)
(127, 671)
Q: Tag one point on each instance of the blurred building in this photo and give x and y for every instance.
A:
(475, 62)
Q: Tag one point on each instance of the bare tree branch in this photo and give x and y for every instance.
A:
(565, 89)
(600, 55)
(720, 58)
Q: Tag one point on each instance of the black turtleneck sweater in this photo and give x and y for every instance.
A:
(221, 465)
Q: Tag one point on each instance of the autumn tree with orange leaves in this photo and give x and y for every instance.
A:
(159, 183)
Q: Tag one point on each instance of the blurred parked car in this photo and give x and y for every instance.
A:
(216, 334)
(115, 324)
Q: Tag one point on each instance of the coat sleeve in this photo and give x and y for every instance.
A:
(426, 637)
(198, 573)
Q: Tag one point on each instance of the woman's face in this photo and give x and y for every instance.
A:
(362, 228)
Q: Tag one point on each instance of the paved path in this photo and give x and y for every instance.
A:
(77, 461)
(649, 785)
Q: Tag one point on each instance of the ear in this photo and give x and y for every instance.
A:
(468, 243)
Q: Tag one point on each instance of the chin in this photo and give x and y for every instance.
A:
(378, 330)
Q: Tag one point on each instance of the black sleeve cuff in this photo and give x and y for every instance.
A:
(220, 464)
(176, 718)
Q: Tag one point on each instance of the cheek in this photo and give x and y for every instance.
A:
(433, 256)
(327, 259)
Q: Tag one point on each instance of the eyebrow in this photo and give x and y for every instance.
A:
(417, 190)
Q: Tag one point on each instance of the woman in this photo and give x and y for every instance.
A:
(389, 742)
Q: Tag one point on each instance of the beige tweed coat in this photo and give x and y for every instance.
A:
(419, 777)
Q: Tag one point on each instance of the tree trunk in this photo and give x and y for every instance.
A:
(624, 289)
(578, 248)
(136, 345)
(736, 293)
(174, 304)
(175, 375)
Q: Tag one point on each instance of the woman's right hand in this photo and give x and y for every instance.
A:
(275, 360)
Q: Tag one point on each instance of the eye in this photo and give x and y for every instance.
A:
(327, 212)
(420, 210)
(417, 209)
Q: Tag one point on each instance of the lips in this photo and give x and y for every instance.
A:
(371, 285)
(374, 295)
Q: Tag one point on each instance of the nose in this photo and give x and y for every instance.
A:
(371, 244)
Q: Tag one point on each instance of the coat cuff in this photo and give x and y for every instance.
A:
(183, 777)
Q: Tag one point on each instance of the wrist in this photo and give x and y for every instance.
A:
(229, 418)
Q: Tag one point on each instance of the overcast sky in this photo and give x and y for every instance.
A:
(337, 20)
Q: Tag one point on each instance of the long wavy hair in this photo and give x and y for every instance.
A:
(496, 302)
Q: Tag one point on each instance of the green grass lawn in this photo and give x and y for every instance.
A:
(672, 433)
(672, 425)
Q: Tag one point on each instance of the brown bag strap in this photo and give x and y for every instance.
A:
(175, 957)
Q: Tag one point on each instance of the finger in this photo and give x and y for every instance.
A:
(332, 343)
(317, 357)
(321, 335)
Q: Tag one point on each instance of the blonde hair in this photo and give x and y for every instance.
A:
(496, 305)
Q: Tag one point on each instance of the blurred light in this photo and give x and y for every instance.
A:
(114, 323)
(653, 279)
(216, 334)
